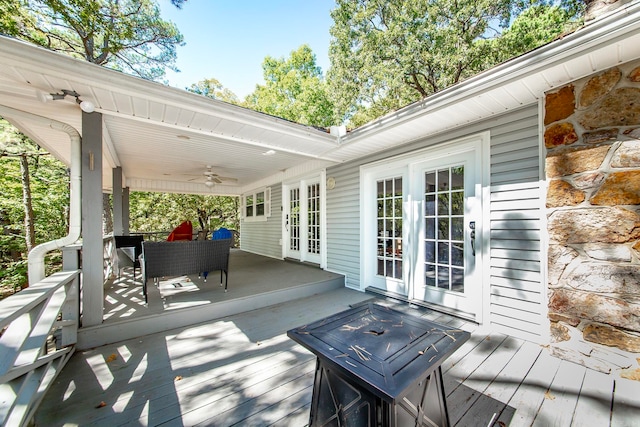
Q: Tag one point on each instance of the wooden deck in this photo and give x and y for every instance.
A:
(243, 370)
(254, 282)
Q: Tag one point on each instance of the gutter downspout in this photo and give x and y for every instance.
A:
(37, 254)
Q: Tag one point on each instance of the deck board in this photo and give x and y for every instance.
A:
(562, 397)
(626, 404)
(495, 396)
(594, 402)
(243, 370)
(527, 400)
(454, 377)
(467, 395)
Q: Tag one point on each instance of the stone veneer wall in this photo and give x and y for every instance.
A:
(592, 136)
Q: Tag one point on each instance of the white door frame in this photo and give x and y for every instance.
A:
(303, 254)
(370, 172)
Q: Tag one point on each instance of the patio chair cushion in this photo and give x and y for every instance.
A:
(182, 232)
(222, 233)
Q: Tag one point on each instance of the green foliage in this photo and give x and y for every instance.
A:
(127, 35)
(50, 197)
(152, 212)
(294, 89)
(386, 54)
(534, 27)
(14, 17)
(212, 88)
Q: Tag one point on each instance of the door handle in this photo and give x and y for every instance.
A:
(472, 226)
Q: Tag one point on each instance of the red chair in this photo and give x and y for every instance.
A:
(182, 232)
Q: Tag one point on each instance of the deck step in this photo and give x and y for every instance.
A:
(124, 329)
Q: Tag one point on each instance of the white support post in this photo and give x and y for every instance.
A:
(92, 246)
(118, 228)
(125, 211)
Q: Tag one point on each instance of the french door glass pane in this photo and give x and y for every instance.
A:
(444, 228)
(294, 221)
(389, 220)
(313, 213)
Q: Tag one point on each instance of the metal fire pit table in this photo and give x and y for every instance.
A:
(378, 367)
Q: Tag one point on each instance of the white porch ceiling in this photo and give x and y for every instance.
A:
(163, 138)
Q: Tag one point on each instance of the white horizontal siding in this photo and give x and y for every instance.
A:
(343, 224)
(263, 237)
(516, 289)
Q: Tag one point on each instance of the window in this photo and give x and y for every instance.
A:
(257, 205)
(389, 220)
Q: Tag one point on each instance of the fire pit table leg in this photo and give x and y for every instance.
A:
(378, 367)
(337, 402)
(436, 400)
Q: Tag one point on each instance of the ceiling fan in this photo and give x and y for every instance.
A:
(213, 178)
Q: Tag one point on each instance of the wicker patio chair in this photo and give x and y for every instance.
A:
(160, 259)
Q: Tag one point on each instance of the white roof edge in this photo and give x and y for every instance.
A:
(607, 28)
(37, 58)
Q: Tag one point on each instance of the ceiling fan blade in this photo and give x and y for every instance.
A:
(216, 179)
(227, 178)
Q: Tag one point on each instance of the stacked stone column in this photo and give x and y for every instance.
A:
(592, 136)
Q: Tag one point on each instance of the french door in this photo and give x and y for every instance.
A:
(421, 228)
(302, 238)
(446, 233)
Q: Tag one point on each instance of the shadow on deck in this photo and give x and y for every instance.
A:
(243, 370)
(254, 282)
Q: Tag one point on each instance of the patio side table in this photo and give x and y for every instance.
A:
(378, 367)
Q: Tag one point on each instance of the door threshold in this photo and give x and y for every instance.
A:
(423, 304)
(297, 261)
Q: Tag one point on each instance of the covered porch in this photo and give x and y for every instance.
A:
(243, 370)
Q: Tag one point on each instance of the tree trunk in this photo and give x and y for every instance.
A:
(107, 216)
(595, 8)
(30, 233)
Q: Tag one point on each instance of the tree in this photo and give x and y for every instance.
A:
(534, 27)
(212, 88)
(294, 89)
(151, 212)
(386, 54)
(34, 189)
(127, 35)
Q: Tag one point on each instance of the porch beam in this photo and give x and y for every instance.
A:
(92, 250)
(322, 155)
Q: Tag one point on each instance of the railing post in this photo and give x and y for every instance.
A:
(71, 309)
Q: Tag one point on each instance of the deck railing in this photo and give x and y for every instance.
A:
(38, 328)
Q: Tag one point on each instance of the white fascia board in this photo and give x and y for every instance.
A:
(37, 59)
(607, 30)
(303, 169)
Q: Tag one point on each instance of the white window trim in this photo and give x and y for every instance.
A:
(267, 205)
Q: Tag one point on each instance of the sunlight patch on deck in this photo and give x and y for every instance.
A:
(98, 365)
(69, 391)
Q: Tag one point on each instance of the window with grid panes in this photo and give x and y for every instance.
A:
(389, 220)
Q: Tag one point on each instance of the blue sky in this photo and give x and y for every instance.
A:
(229, 39)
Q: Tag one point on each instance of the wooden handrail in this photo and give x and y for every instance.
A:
(29, 363)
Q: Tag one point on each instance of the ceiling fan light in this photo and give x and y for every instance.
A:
(209, 183)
